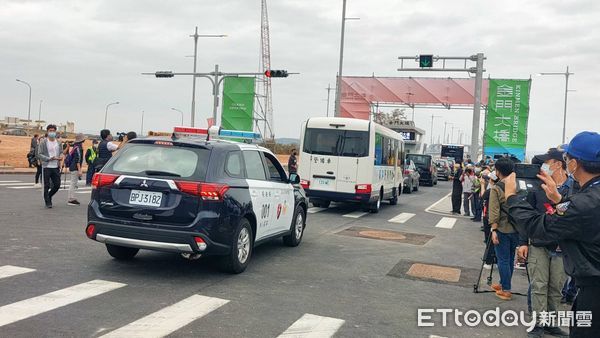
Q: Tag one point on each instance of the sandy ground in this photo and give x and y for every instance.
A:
(14, 149)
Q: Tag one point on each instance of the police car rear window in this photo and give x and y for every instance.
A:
(153, 160)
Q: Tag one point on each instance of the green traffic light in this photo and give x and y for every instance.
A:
(425, 61)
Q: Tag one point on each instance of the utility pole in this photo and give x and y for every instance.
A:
(175, 109)
(432, 117)
(339, 77)
(106, 111)
(216, 96)
(196, 36)
(329, 89)
(566, 74)
(29, 107)
(142, 128)
(477, 106)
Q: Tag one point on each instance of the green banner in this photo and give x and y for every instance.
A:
(238, 103)
(507, 116)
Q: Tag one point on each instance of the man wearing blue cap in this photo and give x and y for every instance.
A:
(575, 224)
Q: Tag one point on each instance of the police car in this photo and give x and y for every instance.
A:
(195, 194)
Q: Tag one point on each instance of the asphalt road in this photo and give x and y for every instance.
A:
(356, 282)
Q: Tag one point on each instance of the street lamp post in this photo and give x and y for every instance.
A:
(142, 128)
(432, 117)
(338, 90)
(175, 109)
(29, 107)
(40, 113)
(566, 74)
(196, 36)
(106, 111)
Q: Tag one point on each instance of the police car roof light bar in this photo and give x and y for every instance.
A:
(215, 132)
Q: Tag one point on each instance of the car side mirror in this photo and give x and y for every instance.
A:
(294, 178)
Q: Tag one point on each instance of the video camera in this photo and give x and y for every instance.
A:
(120, 136)
(527, 179)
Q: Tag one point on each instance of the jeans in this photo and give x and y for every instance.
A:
(477, 206)
(505, 254)
(569, 290)
(38, 173)
(89, 174)
(51, 183)
(466, 202)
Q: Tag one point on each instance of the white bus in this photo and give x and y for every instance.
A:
(350, 160)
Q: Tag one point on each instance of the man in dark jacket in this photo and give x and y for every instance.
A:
(90, 158)
(293, 163)
(457, 189)
(574, 223)
(105, 149)
(545, 261)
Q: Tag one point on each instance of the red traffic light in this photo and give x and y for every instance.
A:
(276, 73)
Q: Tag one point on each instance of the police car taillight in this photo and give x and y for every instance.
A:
(206, 191)
(100, 180)
(362, 188)
(90, 230)
(305, 184)
(200, 243)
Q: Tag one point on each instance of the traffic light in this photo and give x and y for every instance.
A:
(276, 73)
(164, 73)
(426, 61)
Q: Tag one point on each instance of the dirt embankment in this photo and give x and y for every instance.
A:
(14, 149)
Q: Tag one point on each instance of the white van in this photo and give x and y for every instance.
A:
(350, 160)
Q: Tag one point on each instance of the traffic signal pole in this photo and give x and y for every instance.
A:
(426, 64)
(216, 77)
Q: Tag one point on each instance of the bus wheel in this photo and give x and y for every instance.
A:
(374, 207)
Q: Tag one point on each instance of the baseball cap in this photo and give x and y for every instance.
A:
(551, 154)
(584, 146)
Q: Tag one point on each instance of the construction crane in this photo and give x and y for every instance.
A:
(263, 111)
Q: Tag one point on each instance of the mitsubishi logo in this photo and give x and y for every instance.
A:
(144, 184)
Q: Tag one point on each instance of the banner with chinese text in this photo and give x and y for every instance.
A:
(507, 116)
(238, 103)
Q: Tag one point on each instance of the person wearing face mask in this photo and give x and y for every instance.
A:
(50, 154)
(574, 222)
(545, 261)
(90, 157)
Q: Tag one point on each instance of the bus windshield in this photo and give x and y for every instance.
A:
(336, 142)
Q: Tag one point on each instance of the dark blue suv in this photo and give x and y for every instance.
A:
(195, 197)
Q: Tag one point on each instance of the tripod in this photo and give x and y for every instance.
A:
(488, 247)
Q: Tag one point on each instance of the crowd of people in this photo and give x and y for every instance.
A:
(552, 231)
(54, 157)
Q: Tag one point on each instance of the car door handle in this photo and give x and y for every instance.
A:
(330, 172)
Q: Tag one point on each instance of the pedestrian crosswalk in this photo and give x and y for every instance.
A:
(165, 321)
(20, 185)
(402, 218)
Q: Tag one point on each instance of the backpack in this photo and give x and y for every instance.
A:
(70, 156)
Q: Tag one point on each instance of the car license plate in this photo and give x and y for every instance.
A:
(323, 181)
(146, 198)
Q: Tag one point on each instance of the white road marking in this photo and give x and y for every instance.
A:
(10, 181)
(313, 326)
(402, 218)
(434, 336)
(16, 184)
(446, 223)
(34, 306)
(438, 202)
(356, 214)
(170, 319)
(314, 210)
(31, 186)
(9, 271)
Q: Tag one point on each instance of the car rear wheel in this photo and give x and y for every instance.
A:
(394, 199)
(121, 253)
(296, 229)
(241, 249)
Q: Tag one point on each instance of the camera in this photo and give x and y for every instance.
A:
(527, 179)
(120, 136)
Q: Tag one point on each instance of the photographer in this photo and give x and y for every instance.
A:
(545, 262)
(574, 222)
(126, 138)
(105, 149)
